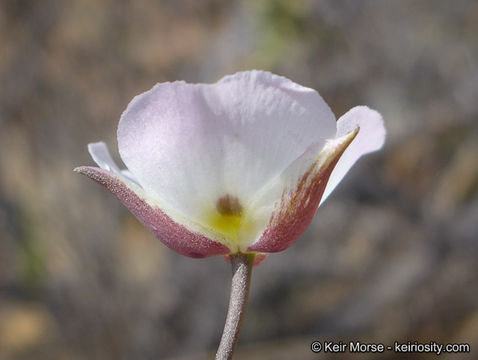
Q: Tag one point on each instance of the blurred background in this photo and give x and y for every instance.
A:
(391, 256)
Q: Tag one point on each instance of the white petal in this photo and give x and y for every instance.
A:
(371, 137)
(100, 154)
(189, 145)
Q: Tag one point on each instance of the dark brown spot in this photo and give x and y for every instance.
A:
(229, 205)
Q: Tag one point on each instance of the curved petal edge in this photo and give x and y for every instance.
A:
(174, 235)
(370, 138)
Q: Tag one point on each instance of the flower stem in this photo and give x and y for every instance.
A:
(241, 280)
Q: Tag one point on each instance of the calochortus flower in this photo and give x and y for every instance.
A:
(235, 168)
(240, 165)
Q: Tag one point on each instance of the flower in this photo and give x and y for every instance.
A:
(240, 165)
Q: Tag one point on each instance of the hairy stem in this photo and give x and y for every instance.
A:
(241, 280)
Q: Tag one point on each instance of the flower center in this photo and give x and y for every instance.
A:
(227, 217)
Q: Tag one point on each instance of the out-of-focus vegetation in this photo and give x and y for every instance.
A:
(391, 256)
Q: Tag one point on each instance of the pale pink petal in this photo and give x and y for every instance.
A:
(101, 155)
(370, 138)
(189, 145)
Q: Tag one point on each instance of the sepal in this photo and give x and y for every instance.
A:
(298, 205)
(173, 234)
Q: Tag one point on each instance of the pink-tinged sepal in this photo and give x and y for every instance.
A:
(298, 205)
(173, 234)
